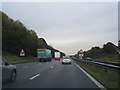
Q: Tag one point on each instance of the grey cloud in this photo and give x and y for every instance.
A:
(69, 26)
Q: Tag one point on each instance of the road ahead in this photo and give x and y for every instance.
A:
(50, 75)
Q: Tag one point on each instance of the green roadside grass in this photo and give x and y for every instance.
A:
(109, 59)
(108, 78)
(17, 59)
(113, 58)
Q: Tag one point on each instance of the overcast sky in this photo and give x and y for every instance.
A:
(68, 27)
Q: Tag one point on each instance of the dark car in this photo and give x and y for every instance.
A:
(9, 71)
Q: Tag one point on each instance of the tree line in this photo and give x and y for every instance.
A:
(15, 37)
(107, 49)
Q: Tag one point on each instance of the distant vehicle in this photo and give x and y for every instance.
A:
(44, 55)
(88, 58)
(64, 56)
(9, 71)
(57, 55)
(66, 61)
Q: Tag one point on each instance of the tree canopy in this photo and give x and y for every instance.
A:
(15, 37)
(108, 48)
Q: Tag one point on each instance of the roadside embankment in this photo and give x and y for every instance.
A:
(107, 78)
(17, 59)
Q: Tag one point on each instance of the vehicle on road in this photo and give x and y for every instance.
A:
(88, 58)
(66, 61)
(57, 55)
(44, 55)
(9, 71)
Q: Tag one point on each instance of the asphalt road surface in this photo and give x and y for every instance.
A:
(50, 75)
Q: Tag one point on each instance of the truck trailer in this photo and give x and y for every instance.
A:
(44, 55)
(57, 55)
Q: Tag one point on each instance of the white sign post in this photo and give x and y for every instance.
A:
(81, 54)
(22, 53)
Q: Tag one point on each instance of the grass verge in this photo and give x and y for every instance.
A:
(15, 59)
(108, 79)
(113, 58)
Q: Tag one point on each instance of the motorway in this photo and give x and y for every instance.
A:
(50, 75)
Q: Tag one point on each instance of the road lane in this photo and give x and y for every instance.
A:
(52, 75)
(23, 73)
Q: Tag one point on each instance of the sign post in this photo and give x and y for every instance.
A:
(81, 54)
(22, 53)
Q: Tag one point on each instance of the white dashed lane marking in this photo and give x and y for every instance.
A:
(52, 67)
(34, 76)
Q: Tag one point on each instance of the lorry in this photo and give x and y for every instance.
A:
(44, 55)
(57, 55)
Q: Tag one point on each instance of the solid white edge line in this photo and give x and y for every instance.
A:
(34, 76)
(94, 80)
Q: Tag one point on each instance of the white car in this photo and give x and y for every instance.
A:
(66, 61)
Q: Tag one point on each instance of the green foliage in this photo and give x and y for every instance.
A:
(11, 58)
(96, 52)
(109, 48)
(15, 37)
(119, 56)
(107, 77)
(42, 43)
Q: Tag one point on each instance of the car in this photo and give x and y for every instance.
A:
(66, 61)
(88, 58)
(9, 71)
